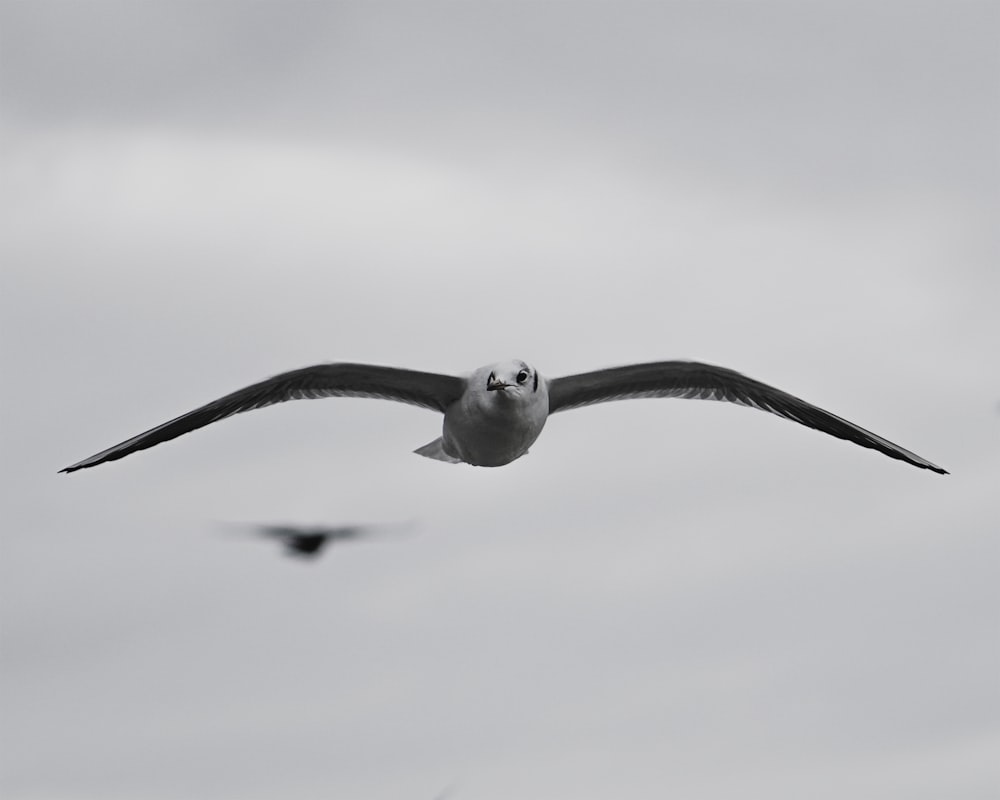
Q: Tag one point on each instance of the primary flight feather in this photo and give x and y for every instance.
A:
(493, 415)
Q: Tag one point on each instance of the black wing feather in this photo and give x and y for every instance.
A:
(424, 389)
(690, 379)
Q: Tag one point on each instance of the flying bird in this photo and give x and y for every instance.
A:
(309, 542)
(494, 414)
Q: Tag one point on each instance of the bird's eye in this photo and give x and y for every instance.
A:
(522, 376)
(492, 378)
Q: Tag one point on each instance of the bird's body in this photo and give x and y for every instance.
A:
(494, 427)
(494, 414)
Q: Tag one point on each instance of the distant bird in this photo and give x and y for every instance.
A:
(310, 541)
(493, 415)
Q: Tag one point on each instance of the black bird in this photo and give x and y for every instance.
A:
(309, 541)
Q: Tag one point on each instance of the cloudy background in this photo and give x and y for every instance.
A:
(664, 598)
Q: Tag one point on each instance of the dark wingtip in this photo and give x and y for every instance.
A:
(929, 466)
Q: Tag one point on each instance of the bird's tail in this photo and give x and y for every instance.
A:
(436, 451)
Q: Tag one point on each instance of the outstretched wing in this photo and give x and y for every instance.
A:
(692, 380)
(424, 389)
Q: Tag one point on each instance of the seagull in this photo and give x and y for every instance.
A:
(308, 542)
(494, 414)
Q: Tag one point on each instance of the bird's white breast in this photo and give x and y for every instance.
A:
(490, 429)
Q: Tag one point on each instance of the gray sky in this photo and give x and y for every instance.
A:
(663, 598)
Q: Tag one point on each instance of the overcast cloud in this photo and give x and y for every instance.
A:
(663, 598)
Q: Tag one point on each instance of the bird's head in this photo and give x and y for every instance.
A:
(511, 379)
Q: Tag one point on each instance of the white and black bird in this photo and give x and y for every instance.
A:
(493, 415)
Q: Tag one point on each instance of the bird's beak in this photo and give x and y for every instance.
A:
(492, 386)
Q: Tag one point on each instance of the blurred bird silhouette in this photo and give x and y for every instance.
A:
(308, 542)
